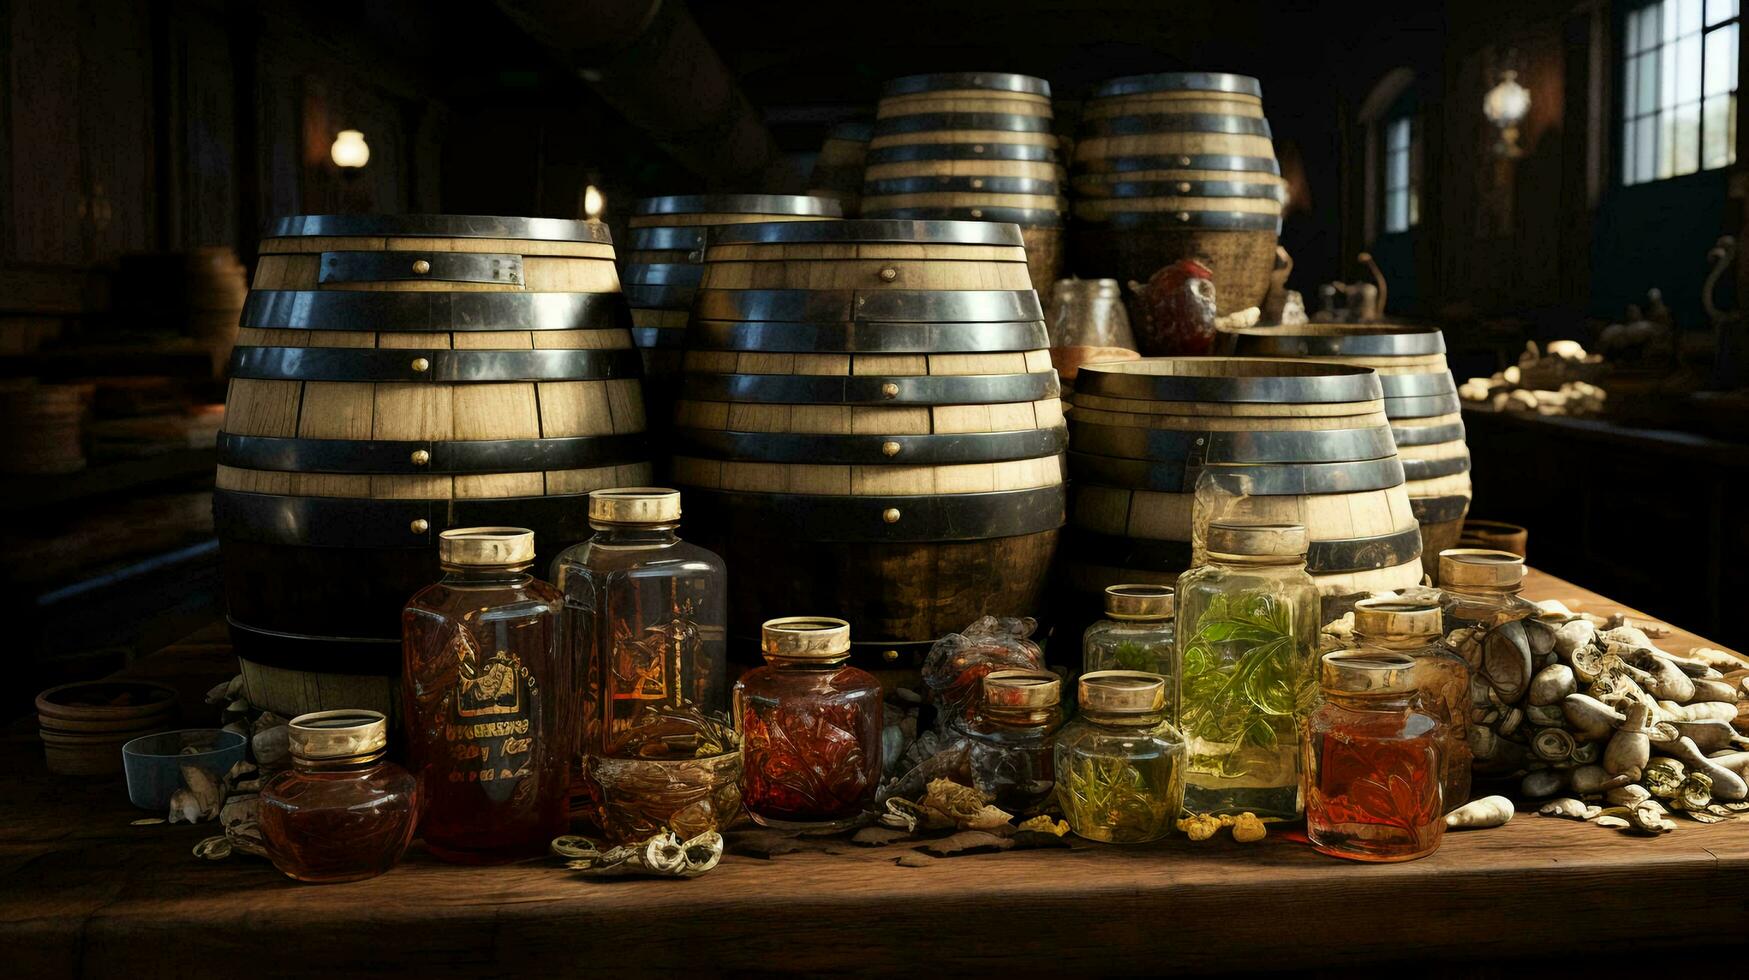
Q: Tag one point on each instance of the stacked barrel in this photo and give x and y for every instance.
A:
(1178, 166)
(1421, 401)
(869, 425)
(395, 376)
(971, 145)
(838, 169)
(669, 235)
(1304, 443)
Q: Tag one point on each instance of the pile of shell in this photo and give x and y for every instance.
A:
(239, 797)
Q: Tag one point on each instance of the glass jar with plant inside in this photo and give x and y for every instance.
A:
(1136, 634)
(1120, 764)
(1247, 641)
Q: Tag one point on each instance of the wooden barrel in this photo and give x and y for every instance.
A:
(662, 267)
(44, 430)
(1421, 400)
(971, 145)
(869, 427)
(1176, 166)
(837, 173)
(395, 376)
(1310, 441)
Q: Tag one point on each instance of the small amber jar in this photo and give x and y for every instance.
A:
(1120, 765)
(810, 727)
(1412, 627)
(342, 812)
(1374, 761)
(1009, 739)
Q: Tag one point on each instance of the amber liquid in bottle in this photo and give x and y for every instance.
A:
(485, 693)
(340, 822)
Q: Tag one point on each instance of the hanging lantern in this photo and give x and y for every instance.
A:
(1505, 106)
(349, 151)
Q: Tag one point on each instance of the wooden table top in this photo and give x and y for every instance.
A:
(83, 892)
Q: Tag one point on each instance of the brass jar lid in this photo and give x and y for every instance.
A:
(1480, 567)
(1396, 617)
(349, 733)
(1123, 692)
(1022, 689)
(486, 546)
(635, 505)
(1367, 672)
(1139, 601)
(806, 638)
(1226, 540)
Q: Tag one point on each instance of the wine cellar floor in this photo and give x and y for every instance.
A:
(84, 892)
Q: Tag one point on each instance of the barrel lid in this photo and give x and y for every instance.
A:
(1340, 340)
(1193, 81)
(954, 80)
(870, 230)
(796, 204)
(438, 226)
(1229, 379)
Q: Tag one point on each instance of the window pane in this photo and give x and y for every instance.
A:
(1397, 137)
(1687, 138)
(1721, 60)
(1667, 70)
(1648, 99)
(1647, 150)
(1667, 28)
(1397, 169)
(1627, 151)
(1717, 10)
(1651, 26)
(1714, 128)
(1687, 62)
(1687, 17)
(1633, 29)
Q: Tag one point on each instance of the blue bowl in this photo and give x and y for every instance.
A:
(153, 763)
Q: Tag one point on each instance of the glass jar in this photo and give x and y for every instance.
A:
(810, 727)
(1412, 627)
(1120, 764)
(1479, 588)
(484, 689)
(1486, 620)
(1008, 741)
(1374, 761)
(1137, 634)
(342, 812)
(645, 616)
(1247, 651)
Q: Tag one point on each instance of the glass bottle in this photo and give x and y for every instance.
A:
(485, 692)
(1479, 588)
(1374, 761)
(343, 812)
(1008, 741)
(1120, 764)
(645, 616)
(810, 727)
(1137, 634)
(1247, 650)
(1412, 627)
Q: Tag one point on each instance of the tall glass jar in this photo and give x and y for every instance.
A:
(645, 616)
(485, 691)
(1412, 627)
(1120, 764)
(342, 812)
(1247, 646)
(1373, 761)
(1485, 620)
(810, 727)
(1137, 634)
(1010, 738)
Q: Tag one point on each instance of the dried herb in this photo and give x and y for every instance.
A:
(1114, 793)
(1244, 676)
(1131, 655)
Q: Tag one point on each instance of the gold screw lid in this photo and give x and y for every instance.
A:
(486, 546)
(1257, 540)
(1123, 692)
(1396, 617)
(805, 638)
(635, 505)
(1480, 566)
(1367, 672)
(1139, 601)
(344, 734)
(1022, 689)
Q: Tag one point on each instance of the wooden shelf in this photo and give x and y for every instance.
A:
(20, 493)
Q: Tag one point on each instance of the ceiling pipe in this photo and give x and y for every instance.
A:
(649, 60)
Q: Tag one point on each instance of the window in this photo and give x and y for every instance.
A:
(1402, 174)
(1679, 85)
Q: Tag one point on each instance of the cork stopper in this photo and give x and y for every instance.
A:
(334, 736)
(486, 546)
(1480, 567)
(634, 505)
(1396, 617)
(1247, 541)
(1123, 692)
(1140, 601)
(1023, 689)
(1367, 672)
(806, 638)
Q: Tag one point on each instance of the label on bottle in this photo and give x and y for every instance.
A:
(491, 731)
